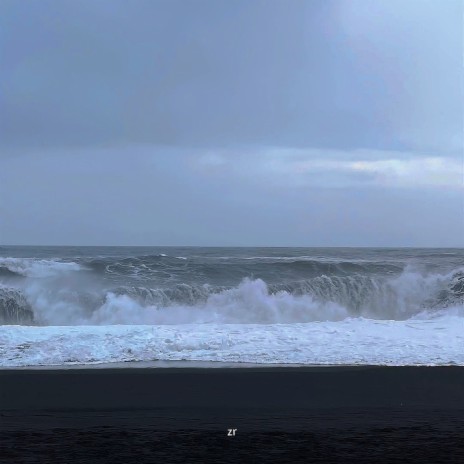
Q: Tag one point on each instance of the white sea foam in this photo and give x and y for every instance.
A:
(433, 341)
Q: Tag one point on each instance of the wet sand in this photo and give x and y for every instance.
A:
(282, 414)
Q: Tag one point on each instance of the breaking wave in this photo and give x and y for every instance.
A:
(323, 298)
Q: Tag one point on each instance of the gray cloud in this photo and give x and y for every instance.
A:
(333, 74)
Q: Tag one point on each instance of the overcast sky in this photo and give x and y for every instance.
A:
(230, 122)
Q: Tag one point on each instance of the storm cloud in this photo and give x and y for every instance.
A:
(231, 122)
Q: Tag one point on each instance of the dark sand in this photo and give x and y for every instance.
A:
(309, 414)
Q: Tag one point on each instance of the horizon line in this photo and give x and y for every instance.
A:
(231, 246)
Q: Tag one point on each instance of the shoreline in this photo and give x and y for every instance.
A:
(161, 364)
(182, 364)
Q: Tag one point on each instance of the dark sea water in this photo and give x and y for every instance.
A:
(231, 304)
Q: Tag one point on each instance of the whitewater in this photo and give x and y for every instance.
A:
(64, 306)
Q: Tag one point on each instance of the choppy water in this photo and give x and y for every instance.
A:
(62, 305)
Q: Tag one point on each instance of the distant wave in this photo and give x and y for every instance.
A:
(5, 271)
(167, 267)
(146, 267)
(30, 267)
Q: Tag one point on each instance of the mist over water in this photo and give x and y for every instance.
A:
(198, 289)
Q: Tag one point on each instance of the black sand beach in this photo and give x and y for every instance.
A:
(305, 414)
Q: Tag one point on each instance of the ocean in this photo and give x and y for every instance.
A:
(64, 306)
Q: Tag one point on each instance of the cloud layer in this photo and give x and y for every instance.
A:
(165, 196)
